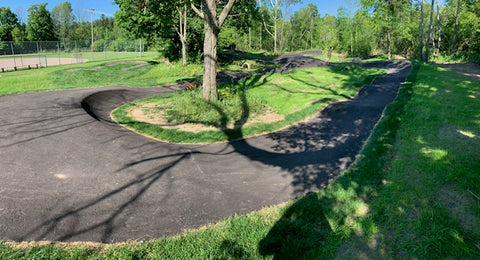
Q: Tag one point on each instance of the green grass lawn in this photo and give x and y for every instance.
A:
(154, 74)
(291, 97)
(59, 77)
(412, 194)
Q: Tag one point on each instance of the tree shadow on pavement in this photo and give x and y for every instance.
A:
(69, 225)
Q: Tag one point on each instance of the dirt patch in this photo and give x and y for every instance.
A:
(21, 62)
(153, 114)
(458, 205)
(139, 64)
(468, 69)
(30, 244)
(340, 56)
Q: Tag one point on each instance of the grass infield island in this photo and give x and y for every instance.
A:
(413, 193)
(254, 105)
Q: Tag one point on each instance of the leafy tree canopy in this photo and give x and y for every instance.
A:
(8, 21)
(63, 19)
(40, 25)
(146, 19)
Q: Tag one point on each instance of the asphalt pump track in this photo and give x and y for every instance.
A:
(68, 173)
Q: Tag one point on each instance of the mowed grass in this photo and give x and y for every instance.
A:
(155, 73)
(289, 97)
(429, 205)
(96, 74)
(412, 194)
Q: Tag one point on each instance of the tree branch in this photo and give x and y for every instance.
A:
(226, 10)
(266, 28)
(198, 12)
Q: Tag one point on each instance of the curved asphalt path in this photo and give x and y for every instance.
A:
(67, 175)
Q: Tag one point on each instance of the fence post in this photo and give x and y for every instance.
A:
(13, 54)
(58, 50)
(75, 52)
(38, 53)
(45, 57)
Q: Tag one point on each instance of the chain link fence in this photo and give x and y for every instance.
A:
(28, 55)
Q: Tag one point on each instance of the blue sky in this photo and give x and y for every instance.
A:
(107, 7)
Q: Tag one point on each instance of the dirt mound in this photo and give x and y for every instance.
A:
(291, 61)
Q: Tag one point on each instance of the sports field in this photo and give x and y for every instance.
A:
(25, 61)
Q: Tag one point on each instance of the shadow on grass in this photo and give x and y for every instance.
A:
(426, 210)
(315, 225)
(302, 228)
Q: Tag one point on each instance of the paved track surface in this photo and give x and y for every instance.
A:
(69, 175)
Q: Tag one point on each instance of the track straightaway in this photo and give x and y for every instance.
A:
(68, 175)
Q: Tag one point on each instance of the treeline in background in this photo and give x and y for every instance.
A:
(423, 30)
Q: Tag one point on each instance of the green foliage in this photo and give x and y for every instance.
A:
(459, 57)
(303, 24)
(8, 22)
(7, 17)
(326, 29)
(40, 26)
(227, 39)
(146, 19)
(63, 20)
(19, 33)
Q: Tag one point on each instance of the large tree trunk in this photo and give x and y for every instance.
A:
(184, 53)
(212, 25)
(429, 32)
(210, 52)
(421, 31)
(454, 42)
(210, 66)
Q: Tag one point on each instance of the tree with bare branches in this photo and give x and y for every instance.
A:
(182, 30)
